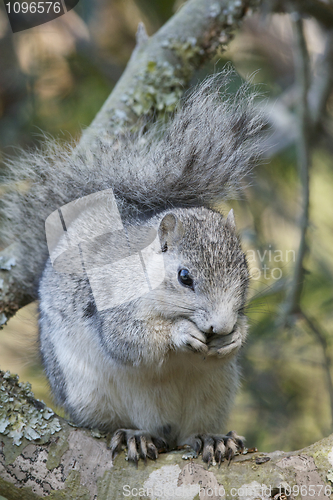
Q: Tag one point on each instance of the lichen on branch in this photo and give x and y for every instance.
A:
(77, 464)
(21, 415)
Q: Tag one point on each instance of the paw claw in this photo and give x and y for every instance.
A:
(116, 442)
(152, 452)
(219, 451)
(139, 445)
(239, 440)
(159, 443)
(132, 452)
(217, 446)
(208, 450)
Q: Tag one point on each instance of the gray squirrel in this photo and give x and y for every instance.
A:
(159, 370)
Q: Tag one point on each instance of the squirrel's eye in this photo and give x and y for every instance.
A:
(185, 279)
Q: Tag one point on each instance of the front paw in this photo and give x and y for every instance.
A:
(217, 446)
(140, 444)
(187, 336)
(223, 345)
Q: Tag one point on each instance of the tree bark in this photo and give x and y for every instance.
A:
(42, 455)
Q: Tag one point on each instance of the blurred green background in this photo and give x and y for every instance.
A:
(55, 78)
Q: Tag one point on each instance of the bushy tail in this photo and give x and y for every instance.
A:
(198, 158)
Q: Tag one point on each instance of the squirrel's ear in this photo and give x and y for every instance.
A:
(231, 220)
(170, 230)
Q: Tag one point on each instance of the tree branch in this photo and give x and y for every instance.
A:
(161, 67)
(41, 455)
(283, 119)
(321, 338)
(302, 74)
(321, 86)
(319, 9)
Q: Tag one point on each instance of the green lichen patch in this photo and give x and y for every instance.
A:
(3, 321)
(73, 489)
(56, 450)
(6, 265)
(329, 476)
(156, 88)
(188, 53)
(320, 452)
(12, 493)
(21, 415)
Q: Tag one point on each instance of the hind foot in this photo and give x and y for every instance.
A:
(217, 446)
(140, 444)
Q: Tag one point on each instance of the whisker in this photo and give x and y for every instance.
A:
(172, 304)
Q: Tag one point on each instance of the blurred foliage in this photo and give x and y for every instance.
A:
(55, 78)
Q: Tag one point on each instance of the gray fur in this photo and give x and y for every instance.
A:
(201, 157)
(166, 360)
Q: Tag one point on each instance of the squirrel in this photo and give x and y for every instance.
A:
(159, 368)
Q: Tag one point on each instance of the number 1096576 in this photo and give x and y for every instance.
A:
(33, 7)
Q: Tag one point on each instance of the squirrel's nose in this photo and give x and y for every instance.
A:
(222, 329)
(210, 331)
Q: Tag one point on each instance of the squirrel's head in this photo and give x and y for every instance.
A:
(206, 274)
